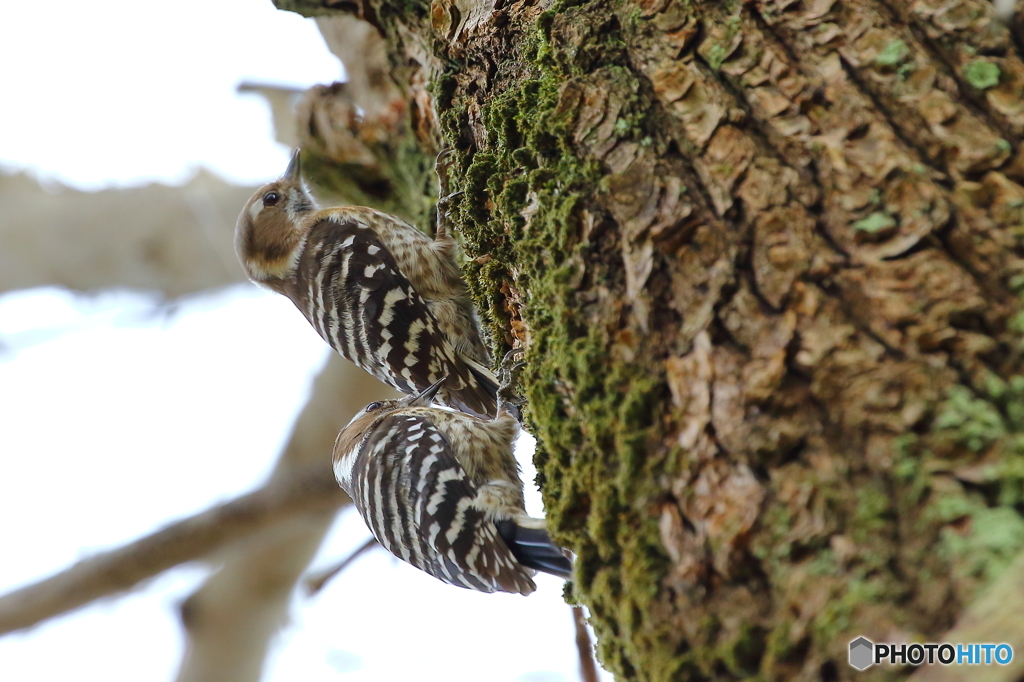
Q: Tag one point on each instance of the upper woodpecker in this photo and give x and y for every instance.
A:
(441, 490)
(379, 291)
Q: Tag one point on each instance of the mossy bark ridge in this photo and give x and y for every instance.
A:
(766, 261)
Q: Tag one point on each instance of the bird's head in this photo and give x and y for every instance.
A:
(271, 226)
(366, 419)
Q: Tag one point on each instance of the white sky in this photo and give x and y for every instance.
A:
(117, 415)
(124, 91)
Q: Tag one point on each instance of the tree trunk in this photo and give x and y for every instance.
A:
(765, 260)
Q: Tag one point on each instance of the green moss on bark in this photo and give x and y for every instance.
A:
(524, 194)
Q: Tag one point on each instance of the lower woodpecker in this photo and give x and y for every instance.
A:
(441, 490)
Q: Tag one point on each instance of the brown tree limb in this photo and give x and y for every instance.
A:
(584, 646)
(318, 580)
(231, 620)
(175, 240)
(121, 569)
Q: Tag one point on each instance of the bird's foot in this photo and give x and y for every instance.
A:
(442, 204)
(508, 376)
(442, 165)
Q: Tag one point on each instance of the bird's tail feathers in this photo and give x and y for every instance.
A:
(533, 548)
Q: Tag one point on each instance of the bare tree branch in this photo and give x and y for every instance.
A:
(291, 514)
(316, 582)
(585, 647)
(125, 567)
(176, 240)
(231, 620)
(362, 50)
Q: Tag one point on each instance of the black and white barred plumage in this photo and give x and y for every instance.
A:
(379, 291)
(441, 491)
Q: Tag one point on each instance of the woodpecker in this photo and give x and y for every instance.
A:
(380, 292)
(441, 490)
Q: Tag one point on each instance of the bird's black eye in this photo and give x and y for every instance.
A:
(373, 406)
(271, 198)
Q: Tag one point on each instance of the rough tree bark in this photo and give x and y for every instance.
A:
(765, 258)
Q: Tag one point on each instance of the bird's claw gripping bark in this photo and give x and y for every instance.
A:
(508, 376)
(442, 164)
(442, 203)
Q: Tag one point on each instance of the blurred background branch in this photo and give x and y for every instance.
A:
(584, 646)
(314, 583)
(121, 569)
(173, 240)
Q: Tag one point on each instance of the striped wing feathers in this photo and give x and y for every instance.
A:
(350, 288)
(419, 504)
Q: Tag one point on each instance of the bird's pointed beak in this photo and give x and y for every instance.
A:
(293, 169)
(424, 397)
